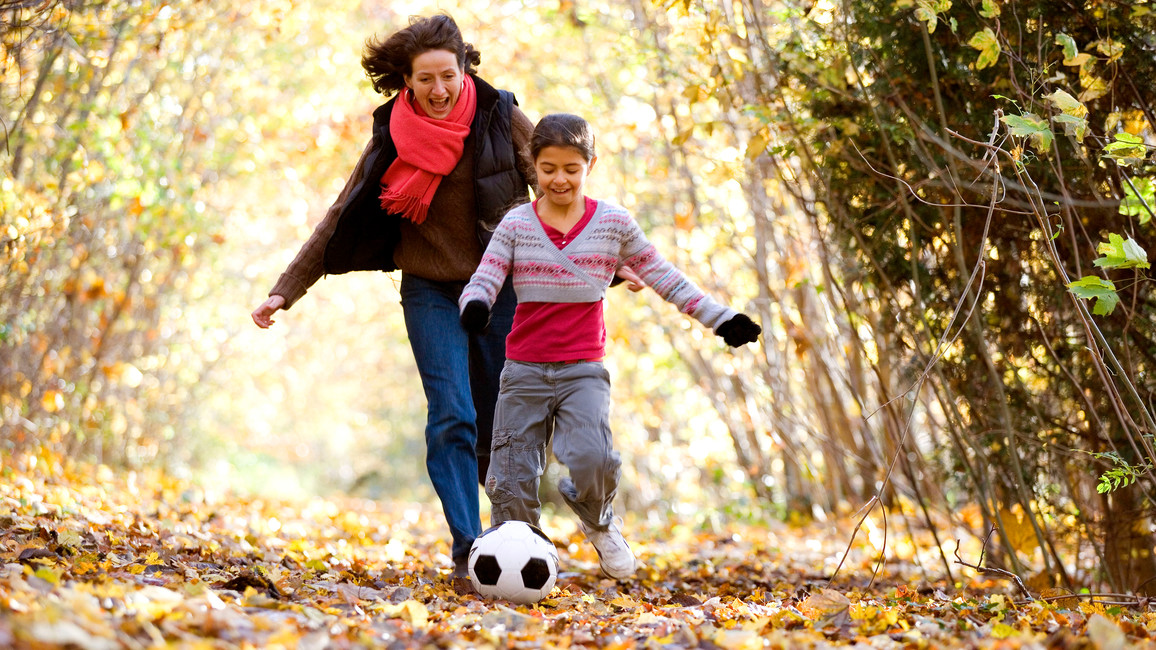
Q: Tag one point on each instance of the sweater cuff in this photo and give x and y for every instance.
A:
(289, 288)
(718, 318)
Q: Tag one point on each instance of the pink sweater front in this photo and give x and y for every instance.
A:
(551, 332)
(581, 272)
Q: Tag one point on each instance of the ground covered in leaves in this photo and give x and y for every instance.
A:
(94, 559)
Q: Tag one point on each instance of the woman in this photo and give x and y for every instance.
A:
(446, 160)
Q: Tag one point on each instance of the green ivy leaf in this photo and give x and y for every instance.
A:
(1120, 253)
(990, 9)
(1094, 87)
(1067, 104)
(1073, 126)
(1110, 48)
(928, 11)
(1069, 45)
(988, 46)
(1139, 202)
(926, 15)
(1091, 287)
(1073, 115)
(1031, 126)
(1126, 149)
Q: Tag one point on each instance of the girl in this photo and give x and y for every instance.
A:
(562, 251)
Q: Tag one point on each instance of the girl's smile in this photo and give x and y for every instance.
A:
(562, 173)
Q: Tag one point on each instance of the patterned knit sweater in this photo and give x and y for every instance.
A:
(583, 269)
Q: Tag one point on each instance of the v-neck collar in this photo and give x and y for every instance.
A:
(589, 207)
(559, 254)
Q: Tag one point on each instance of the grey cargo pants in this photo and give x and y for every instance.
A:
(571, 402)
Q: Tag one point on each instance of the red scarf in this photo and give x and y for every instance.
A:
(427, 150)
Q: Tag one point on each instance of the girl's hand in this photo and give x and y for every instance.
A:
(475, 317)
(262, 315)
(633, 282)
(739, 330)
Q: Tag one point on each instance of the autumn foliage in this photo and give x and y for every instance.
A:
(939, 210)
(93, 559)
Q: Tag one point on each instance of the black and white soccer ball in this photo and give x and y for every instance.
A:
(514, 561)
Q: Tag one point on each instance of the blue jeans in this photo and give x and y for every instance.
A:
(460, 374)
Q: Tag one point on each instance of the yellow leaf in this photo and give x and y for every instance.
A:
(1002, 631)
(1020, 533)
(1080, 60)
(757, 145)
(1059, 597)
(624, 602)
(69, 538)
(1110, 48)
(695, 93)
(756, 625)
(49, 574)
(254, 598)
(826, 607)
(52, 401)
(1105, 634)
(988, 45)
(1067, 104)
(1094, 88)
(286, 637)
(415, 612)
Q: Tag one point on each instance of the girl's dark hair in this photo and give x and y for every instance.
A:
(388, 61)
(563, 130)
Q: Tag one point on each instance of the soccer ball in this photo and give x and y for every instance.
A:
(515, 561)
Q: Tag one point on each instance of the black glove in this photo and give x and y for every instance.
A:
(476, 317)
(739, 330)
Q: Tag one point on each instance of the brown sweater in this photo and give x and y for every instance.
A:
(444, 248)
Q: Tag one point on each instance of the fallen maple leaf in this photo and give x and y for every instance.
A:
(827, 608)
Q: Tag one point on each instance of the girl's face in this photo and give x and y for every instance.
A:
(562, 174)
(436, 82)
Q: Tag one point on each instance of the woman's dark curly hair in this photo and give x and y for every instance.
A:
(388, 61)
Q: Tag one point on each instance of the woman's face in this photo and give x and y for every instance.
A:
(436, 82)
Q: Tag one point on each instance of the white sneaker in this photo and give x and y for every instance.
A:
(614, 554)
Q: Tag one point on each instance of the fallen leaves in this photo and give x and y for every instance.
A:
(90, 559)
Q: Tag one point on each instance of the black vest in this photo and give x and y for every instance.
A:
(366, 235)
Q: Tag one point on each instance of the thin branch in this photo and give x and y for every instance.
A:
(866, 510)
(991, 570)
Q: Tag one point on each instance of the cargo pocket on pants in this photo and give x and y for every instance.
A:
(498, 478)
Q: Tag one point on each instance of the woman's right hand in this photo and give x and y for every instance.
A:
(262, 315)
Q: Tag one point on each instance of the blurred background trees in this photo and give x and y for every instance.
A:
(939, 211)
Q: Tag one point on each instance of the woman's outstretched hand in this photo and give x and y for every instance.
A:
(262, 315)
(633, 282)
(739, 330)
